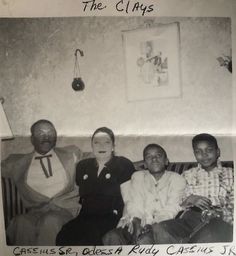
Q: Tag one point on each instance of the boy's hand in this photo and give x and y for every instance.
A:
(214, 212)
(137, 229)
(146, 228)
(217, 212)
(201, 202)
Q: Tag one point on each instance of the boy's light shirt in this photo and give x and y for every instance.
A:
(150, 200)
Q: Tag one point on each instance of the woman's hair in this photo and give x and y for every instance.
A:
(153, 145)
(107, 131)
(204, 137)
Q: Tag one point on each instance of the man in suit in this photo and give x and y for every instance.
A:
(45, 181)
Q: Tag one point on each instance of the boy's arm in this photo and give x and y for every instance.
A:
(132, 213)
(201, 202)
(228, 209)
(189, 198)
(133, 200)
(172, 206)
(226, 194)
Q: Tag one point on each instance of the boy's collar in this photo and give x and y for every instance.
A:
(215, 169)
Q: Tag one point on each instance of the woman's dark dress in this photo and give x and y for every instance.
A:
(101, 201)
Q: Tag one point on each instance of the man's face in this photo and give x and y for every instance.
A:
(44, 137)
(155, 160)
(206, 154)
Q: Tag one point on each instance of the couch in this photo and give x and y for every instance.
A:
(13, 205)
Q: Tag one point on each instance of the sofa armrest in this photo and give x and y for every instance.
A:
(12, 203)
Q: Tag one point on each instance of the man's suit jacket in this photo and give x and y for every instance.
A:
(16, 167)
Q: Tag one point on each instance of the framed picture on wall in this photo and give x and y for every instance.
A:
(152, 59)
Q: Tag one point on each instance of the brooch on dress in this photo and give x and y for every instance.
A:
(85, 177)
(108, 176)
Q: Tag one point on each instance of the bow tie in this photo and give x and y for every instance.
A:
(43, 156)
(48, 173)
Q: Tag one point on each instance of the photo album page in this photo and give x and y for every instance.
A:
(117, 127)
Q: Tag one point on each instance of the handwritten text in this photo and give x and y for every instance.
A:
(122, 6)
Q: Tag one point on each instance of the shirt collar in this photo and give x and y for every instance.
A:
(162, 179)
(217, 169)
(51, 152)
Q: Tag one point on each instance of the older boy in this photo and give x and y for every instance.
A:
(208, 201)
(151, 196)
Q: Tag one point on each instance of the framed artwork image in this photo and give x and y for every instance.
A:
(152, 59)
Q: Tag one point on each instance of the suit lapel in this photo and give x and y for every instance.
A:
(22, 169)
(67, 162)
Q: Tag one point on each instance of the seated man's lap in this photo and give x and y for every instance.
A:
(21, 230)
(27, 228)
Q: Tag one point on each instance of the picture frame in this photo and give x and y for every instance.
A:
(152, 60)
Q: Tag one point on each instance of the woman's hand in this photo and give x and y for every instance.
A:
(201, 202)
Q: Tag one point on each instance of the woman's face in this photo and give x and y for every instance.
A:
(102, 146)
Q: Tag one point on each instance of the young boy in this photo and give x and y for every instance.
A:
(208, 201)
(152, 195)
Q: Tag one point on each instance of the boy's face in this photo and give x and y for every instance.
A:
(155, 160)
(206, 154)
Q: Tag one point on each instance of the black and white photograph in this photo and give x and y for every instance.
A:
(116, 131)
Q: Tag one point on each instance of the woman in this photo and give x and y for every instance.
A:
(99, 181)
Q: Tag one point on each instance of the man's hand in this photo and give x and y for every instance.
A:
(199, 201)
